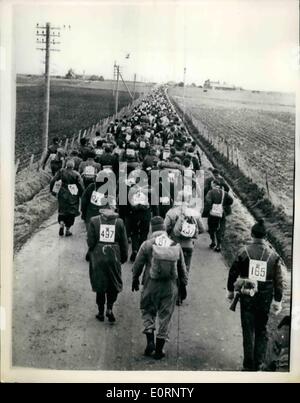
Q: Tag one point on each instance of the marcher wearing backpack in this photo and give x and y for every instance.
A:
(139, 217)
(108, 249)
(257, 262)
(89, 169)
(161, 262)
(217, 206)
(183, 225)
(68, 196)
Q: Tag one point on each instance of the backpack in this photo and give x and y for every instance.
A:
(164, 259)
(89, 171)
(217, 209)
(185, 227)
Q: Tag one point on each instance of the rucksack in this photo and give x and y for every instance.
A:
(185, 227)
(164, 259)
(217, 209)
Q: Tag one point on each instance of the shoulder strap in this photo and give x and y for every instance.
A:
(223, 196)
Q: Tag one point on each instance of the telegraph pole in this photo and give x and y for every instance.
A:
(184, 77)
(134, 83)
(46, 37)
(117, 90)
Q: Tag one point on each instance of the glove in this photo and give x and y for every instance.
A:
(182, 292)
(135, 285)
(53, 194)
(83, 217)
(276, 307)
(230, 295)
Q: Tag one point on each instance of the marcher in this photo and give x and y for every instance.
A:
(108, 249)
(57, 162)
(161, 261)
(89, 169)
(257, 275)
(217, 207)
(51, 151)
(68, 196)
(184, 224)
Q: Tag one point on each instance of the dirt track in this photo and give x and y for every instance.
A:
(54, 323)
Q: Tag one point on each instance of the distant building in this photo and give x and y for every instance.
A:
(217, 85)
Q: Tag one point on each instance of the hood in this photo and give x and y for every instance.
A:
(108, 213)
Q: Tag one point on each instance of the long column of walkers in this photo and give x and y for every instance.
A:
(140, 183)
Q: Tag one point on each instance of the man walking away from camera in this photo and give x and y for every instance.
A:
(161, 261)
(257, 275)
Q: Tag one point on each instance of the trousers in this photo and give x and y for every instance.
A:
(110, 297)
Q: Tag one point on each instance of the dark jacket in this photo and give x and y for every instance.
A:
(68, 204)
(209, 180)
(275, 269)
(106, 258)
(214, 196)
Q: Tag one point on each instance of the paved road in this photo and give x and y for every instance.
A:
(54, 323)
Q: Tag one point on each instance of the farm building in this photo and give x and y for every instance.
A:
(217, 85)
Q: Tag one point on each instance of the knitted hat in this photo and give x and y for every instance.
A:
(157, 224)
(258, 230)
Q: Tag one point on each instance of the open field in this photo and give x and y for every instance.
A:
(260, 125)
(72, 108)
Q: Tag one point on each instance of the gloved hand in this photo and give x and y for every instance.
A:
(229, 295)
(53, 194)
(135, 285)
(276, 307)
(182, 292)
(83, 217)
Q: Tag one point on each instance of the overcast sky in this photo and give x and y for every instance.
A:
(246, 42)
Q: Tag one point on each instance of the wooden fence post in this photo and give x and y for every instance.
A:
(31, 161)
(79, 134)
(267, 186)
(66, 144)
(17, 165)
(72, 142)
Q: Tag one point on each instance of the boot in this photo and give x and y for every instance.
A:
(110, 315)
(150, 344)
(159, 354)
(61, 229)
(68, 232)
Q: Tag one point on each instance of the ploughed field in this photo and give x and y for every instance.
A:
(262, 127)
(73, 106)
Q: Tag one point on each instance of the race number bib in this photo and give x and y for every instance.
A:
(52, 157)
(188, 230)
(257, 270)
(147, 135)
(130, 152)
(171, 142)
(163, 241)
(73, 189)
(96, 198)
(139, 198)
(164, 200)
(89, 171)
(107, 233)
(171, 177)
(217, 210)
(56, 187)
(99, 151)
(142, 144)
(166, 155)
(128, 137)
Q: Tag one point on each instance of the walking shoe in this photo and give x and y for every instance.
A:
(61, 231)
(217, 249)
(150, 344)
(87, 256)
(159, 354)
(212, 245)
(100, 317)
(110, 316)
(68, 233)
(133, 257)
